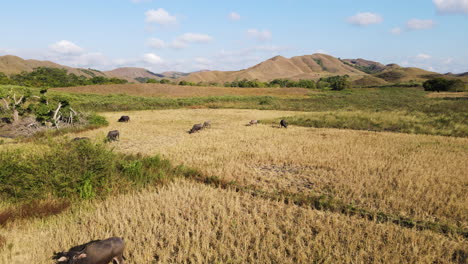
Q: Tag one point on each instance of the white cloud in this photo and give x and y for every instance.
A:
(195, 38)
(156, 43)
(396, 31)
(152, 58)
(364, 19)
(321, 51)
(160, 16)
(184, 40)
(234, 16)
(259, 35)
(423, 56)
(448, 61)
(419, 24)
(451, 6)
(66, 47)
(177, 44)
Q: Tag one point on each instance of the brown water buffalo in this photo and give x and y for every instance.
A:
(124, 119)
(94, 252)
(283, 123)
(113, 135)
(195, 128)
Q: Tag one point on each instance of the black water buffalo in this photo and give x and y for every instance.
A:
(207, 124)
(195, 128)
(253, 122)
(94, 252)
(283, 123)
(124, 119)
(6, 120)
(113, 135)
(81, 139)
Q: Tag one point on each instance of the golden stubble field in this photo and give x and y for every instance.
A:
(192, 223)
(419, 176)
(423, 177)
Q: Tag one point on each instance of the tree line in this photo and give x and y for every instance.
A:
(54, 77)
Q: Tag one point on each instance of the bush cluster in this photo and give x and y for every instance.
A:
(54, 77)
(79, 170)
(442, 84)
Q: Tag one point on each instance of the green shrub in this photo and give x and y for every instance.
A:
(442, 84)
(79, 170)
(97, 120)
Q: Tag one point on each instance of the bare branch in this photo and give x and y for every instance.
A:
(56, 112)
(7, 106)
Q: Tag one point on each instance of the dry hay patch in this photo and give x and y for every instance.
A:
(409, 175)
(192, 223)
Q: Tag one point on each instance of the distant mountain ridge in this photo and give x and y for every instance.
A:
(361, 71)
(10, 64)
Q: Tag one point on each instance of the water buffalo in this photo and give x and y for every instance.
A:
(253, 122)
(195, 128)
(80, 139)
(283, 123)
(207, 124)
(6, 120)
(94, 252)
(113, 135)
(124, 119)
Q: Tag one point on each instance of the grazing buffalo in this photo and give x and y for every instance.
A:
(283, 123)
(113, 135)
(124, 119)
(253, 122)
(94, 252)
(207, 124)
(81, 139)
(195, 128)
(6, 120)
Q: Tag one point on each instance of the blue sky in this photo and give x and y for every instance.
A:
(164, 35)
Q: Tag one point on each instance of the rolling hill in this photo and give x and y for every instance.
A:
(300, 67)
(361, 71)
(133, 74)
(13, 65)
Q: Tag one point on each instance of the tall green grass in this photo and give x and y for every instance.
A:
(79, 170)
(449, 124)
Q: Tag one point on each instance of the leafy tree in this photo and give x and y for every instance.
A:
(306, 84)
(442, 84)
(323, 85)
(165, 81)
(337, 83)
(152, 81)
(4, 79)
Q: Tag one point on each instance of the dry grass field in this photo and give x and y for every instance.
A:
(162, 90)
(448, 95)
(418, 176)
(192, 223)
(410, 175)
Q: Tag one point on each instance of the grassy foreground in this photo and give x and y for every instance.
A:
(191, 223)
